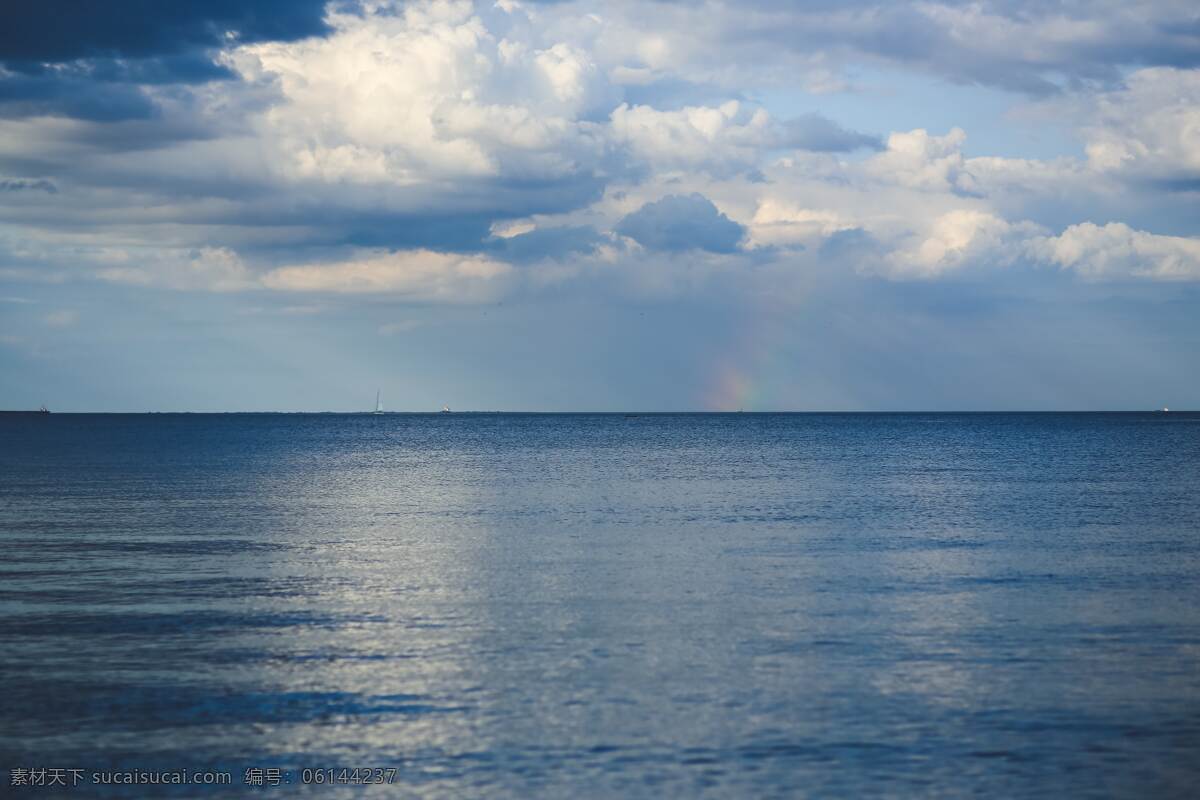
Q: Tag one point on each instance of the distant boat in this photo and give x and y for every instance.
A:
(378, 405)
(445, 409)
(1165, 409)
(42, 410)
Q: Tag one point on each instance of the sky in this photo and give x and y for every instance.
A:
(214, 205)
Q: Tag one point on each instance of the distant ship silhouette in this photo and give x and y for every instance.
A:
(41, 410)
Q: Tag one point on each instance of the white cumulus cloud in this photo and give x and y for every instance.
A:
(1116, 250)
(1149, 128)
(423, 96)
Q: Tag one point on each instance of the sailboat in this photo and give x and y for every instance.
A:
(445, 409)
(378, 405)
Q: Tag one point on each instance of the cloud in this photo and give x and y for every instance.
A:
(854, 247)
(682, 222)
(1116, 251)
(94, 61)
(723, 139)
(1017, 45)
(62, 30)
(27, 185)
(384, 147)
(422, 98)
(957, 239)
(814, 132)
(214, 269)
(778, 222)
(416, 274)
(40, 95)
(919, 160)
(1149, 129)
(542, 243)
(422, 275)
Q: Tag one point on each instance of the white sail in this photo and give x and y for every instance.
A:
(378, 405)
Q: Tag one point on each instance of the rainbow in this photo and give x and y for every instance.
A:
(741, 377)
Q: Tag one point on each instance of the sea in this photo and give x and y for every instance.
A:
(600, 605)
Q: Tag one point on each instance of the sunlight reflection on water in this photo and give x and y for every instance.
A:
(507, 605)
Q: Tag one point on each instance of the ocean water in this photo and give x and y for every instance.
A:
(511, 606)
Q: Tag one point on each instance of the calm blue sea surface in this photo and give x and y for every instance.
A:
(510, 606)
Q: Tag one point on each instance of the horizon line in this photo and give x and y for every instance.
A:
(635, 412)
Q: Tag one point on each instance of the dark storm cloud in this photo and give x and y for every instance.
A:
(195, 67)
(85, 59)
(682, 222)
(37, 95)
(67, 30)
